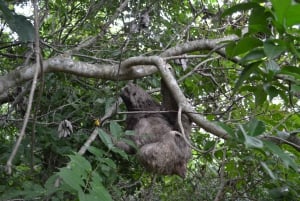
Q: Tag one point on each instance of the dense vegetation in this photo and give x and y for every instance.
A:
(63, 66)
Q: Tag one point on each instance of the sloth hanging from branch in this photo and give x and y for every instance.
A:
(161, 146)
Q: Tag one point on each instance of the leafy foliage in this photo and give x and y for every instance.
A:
(251, 89)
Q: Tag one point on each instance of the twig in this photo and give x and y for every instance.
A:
(109, 113)
(92, 40)
(31, 95)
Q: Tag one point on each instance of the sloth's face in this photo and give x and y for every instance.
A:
(136, 99)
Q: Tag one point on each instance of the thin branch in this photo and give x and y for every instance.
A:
(223, 182)
(92, 40)
(31, 95)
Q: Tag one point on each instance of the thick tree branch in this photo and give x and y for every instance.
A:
(103, 71)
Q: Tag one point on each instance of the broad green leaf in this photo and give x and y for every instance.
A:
(129, 142)
(292, 16)
(294, 48)
(295, 88)
(255, 127)
(96, 190)
(272, 66)
(291, 71)
(250, 141)
(100, 192)
(258, 21)
(79, 161)
(244, 45)
(272, 50)
(287, 160)
(248, 70)
(109, 162)
(272, 92)
(73, 180)
(255, 55)
(260, 95)
(96, 151)
(280, 8)
(120, 152)
(115, 129)
(267, 169)
(105, 138)
(18, 23)
(229, 130)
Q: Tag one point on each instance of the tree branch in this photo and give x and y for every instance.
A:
(65, 64)
(33, 86)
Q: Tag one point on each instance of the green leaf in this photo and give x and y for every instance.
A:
(248, 70)
(260, 96)
(291, 71)
(109, 162)
(229, 130)
(244, 45)
(255, 55)
(120, 152)
(71, 179)
(272, 50)
(280, 8)
(100, 192)
(18, 23)
(295, 88)
(287, 160)
(292, 15)
(272, 92)
(115, 129)
(251, 141)
(267, 169)
(239, 8)
(258, 22)
(255, 127)
(79, 161)
(272, 66)
(105, 138)
(95, 151)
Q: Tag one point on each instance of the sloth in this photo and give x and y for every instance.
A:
(160, 146)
